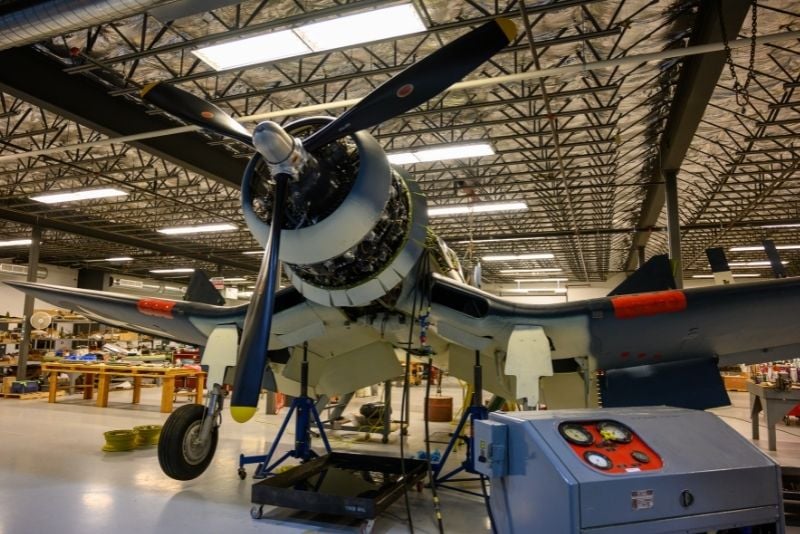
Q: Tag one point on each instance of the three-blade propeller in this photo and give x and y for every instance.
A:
(412, 87)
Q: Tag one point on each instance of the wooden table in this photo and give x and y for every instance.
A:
(774, 403)
(104, 372)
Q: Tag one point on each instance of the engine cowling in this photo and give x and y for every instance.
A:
(355, 226)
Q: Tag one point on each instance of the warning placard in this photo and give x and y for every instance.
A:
(642, 499)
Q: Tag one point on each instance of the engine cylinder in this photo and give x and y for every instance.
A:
(355, 228)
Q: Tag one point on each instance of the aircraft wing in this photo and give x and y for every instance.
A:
(654, 348)
(187, 322)
(337, 347)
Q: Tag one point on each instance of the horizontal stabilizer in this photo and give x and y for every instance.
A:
(654, 275)
(694, 384)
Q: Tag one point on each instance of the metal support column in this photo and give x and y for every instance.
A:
(27, 311)
(674, 225)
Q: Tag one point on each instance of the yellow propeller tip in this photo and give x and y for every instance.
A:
(242, 414)
(508, 27)
(146, 88)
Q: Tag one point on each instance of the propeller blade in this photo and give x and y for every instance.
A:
(420, 82)
(194, 110)
(252, 357)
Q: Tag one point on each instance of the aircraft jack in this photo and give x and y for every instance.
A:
(475, 411)
(305, 411)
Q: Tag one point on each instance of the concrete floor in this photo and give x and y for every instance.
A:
(54, 477)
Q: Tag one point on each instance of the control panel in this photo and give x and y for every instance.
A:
(636, 470)
(609, 446)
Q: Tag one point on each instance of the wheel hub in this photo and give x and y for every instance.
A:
(195, 449)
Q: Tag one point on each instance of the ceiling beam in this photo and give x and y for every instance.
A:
(112, 237)
(698, 79)
(33, 77)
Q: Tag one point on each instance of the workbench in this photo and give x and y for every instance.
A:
(775, 404)
(104, 373)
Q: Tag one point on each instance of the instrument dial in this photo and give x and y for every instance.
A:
(576, 434)
(615, 432)
(640, 457)
(598, 460)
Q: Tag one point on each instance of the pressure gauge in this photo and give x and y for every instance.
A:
(576, 434)
(615, 432)
(598, 460)
(640, 457)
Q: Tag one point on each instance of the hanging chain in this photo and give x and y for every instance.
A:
(739, 89)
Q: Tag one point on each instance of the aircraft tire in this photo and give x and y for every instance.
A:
(181, 457)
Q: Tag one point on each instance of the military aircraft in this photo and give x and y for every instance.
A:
(351, 232)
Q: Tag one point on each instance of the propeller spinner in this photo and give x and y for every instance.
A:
(286, 156)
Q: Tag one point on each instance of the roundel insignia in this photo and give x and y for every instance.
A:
(207, 114)
(405, 90)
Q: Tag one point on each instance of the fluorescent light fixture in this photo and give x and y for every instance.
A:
(258, 49)
(362, 27)
(471, 150)
(532, 271)
(764, 263)
(175, 270)
(120, 258)
(15, 243)
(253, 252)
(509, 257)
(787, 225)
(177, 230)
(556, 290)
(53, 198)
(340, 32)
(237, 279)
(735, 275)
(402, 158)
(538, 280)
(755, 248)
(486, 207)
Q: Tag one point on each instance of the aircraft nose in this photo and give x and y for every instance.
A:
(273, 142)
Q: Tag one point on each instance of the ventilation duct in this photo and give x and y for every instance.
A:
(47, 19)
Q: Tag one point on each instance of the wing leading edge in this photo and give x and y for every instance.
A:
(187, 322)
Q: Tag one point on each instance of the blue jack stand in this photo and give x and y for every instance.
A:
(306, 410)
(475, 411)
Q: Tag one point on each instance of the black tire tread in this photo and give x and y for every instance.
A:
(170, 444)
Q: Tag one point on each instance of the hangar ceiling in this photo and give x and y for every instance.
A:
(585, 151)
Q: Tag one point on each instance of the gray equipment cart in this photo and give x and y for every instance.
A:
(625, 470)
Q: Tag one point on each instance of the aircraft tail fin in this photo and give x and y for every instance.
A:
(719, 266)
(694, 384)
(654, 275)
(202, 290)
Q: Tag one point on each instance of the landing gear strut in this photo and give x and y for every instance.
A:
(189, 437)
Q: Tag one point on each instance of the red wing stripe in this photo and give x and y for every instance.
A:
(156, 307)
(629, 306)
